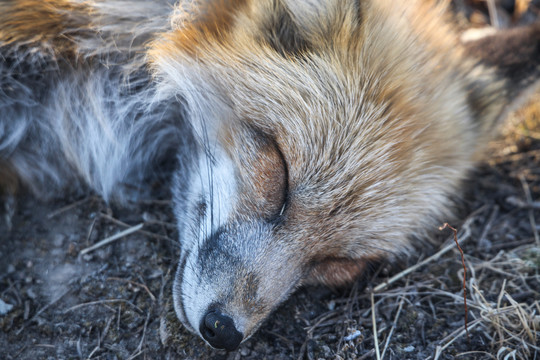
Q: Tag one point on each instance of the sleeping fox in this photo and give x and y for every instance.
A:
(302, 139)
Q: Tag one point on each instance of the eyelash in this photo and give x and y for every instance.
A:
(286, 193)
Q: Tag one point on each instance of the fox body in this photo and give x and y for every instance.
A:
(307, 138)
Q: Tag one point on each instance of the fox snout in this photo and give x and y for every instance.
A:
(228, 284)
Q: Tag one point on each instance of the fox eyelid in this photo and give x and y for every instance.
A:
(282, 210)
(286, 184)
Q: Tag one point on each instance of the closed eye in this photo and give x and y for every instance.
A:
(285, 194)
(264, 177)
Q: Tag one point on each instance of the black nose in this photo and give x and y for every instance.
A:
(219, 331)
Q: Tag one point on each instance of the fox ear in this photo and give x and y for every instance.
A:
(195, 22)
(324, 19)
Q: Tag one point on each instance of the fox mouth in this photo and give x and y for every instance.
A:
(216, 328)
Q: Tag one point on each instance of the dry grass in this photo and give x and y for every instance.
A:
(420, 312)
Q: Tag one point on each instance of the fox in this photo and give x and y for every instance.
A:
(301, 140)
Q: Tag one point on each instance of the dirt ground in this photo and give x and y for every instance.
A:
(114, 302)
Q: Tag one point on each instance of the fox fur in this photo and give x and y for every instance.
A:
(302, 139)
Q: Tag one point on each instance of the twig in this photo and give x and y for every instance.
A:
(162, 223)
(351, 299)
(303, 349)
(488, 225)
(100, 337)
(522, 318)
(110, 239)
(492, 9)
(434, 257)
(100, 302)
(284, 339)
(310, 331)
(320, 320)
(91, 230)
(374, 321)
(147, 233)
(453, 337)
(68, 207)
(368, 355)
(531, 213)
(496, 319)
(40, 311)
(469, 354)
(139, 351)
(514, 200)
(394, 324)
(136, 284)
(96, 349)
(446, 225)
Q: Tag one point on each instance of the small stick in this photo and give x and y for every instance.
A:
(394, 324)
(452, 338)
(68, 207)
(375, 335)
(531, 213)
(138, 351)
(514, 200)
(110, 239)
(40, 311)
(492, 9)
(147, 233)
(434, 257)
(446, 225)
(136, 284)
(102, 302)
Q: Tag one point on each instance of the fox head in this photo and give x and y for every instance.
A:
(328, 133)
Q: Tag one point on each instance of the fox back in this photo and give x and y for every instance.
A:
(311, 137)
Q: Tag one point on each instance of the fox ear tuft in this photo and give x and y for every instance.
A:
(278, 29)
(197, 22)
(208, 17)
(324, 19)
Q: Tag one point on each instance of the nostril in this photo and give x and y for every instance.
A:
(219, 331)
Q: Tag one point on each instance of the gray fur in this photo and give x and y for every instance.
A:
(93, 117)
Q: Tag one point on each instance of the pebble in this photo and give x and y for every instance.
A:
(409, 349)
(5, 307)
(331, 305)
(147, 217)
(31, 294)
(354, 335)
(58, 240)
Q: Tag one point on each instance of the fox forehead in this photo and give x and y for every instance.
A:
(329, 87)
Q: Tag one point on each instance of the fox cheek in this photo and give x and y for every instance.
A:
(225, 278)
(335, 272)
